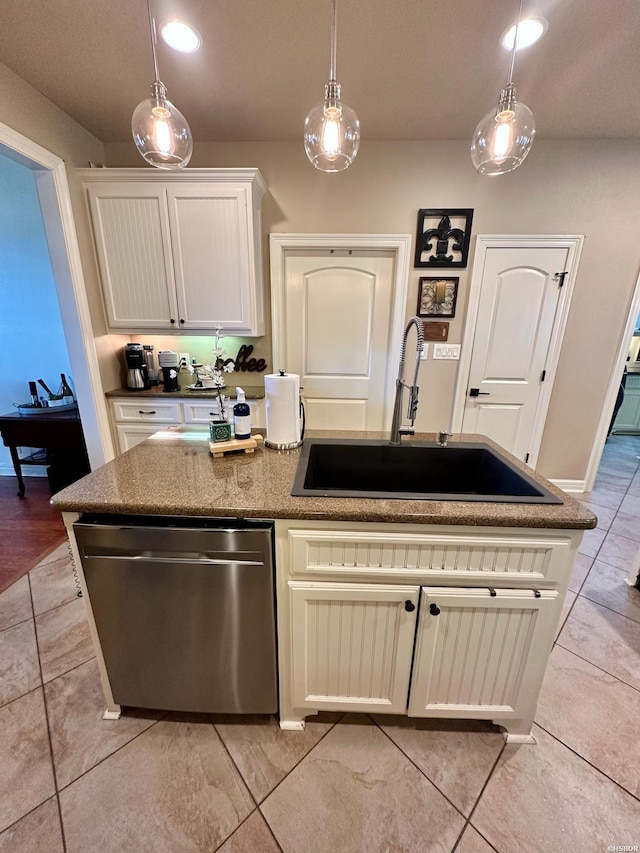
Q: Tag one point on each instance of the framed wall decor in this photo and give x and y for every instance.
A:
(437, 297)
(442, 238)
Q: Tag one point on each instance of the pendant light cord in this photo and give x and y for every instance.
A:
(515, 45)
(152, 27)
(334, 30)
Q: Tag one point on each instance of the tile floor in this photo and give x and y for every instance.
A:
(70, 781)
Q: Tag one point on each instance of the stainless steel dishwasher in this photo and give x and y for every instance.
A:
(184, 609)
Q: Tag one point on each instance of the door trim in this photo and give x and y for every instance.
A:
(572, 242)
(399, 244)
(612, 390)
(60, 230)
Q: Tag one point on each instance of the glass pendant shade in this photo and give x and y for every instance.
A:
(504, 137)
(161, 132)
(331, 132)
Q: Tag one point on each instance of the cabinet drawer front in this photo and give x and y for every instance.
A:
(201, 412)
(455, 557)
(151, 410)
(352, 645)
(481, 655)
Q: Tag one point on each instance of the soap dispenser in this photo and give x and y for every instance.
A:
(241, 416)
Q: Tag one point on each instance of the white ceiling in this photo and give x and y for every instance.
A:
(412, 69)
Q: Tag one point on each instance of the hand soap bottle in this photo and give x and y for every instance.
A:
(241, 417)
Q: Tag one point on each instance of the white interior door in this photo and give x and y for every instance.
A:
(337, 331)
(516, 339)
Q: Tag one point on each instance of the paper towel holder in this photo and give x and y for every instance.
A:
(293, 444)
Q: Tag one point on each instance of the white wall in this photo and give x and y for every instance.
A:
(32, 343)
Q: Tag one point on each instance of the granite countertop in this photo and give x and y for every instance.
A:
(252, 392)
(173, 473)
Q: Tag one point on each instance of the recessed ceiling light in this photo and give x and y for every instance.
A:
(180, 36)
(529, 32)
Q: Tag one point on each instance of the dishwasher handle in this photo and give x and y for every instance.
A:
(145, 558)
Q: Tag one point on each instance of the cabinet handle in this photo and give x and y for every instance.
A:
(182, 322)
(140, 412)
(434, 609)
(409, 606)
(172, 321)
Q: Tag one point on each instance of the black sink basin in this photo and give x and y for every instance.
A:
(462, 471)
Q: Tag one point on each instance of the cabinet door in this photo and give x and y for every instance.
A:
(628, 418)
(481, 655)
(351, 646)
(212, 246)
(131, 231)
(131, 434)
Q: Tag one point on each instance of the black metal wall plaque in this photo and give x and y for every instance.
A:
(442, 238)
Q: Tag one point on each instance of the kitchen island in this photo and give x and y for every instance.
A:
(431, 608)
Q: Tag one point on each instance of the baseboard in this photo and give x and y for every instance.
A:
(574, 487)
(7, 471)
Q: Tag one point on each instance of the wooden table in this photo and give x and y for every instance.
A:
(58, 433)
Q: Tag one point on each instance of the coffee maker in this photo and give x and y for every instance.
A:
(169, 361)
(137, 375)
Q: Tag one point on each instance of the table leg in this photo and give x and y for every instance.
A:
(18, 469)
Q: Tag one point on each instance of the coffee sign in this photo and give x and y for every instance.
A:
(244, 363)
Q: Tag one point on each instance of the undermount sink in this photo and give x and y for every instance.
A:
(462, 471)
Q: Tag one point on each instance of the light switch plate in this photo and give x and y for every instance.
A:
(446, 351)
(425, 352)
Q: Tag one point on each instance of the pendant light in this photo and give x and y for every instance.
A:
(504, 136)
(160, 131)
(332, 129)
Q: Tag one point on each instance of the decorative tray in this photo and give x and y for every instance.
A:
(30, 410)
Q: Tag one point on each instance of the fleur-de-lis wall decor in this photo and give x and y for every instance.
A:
(441, 242)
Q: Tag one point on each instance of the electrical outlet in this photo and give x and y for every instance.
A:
(425, 352)
(448, 351)
(185, 360)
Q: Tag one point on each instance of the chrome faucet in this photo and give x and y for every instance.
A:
(397, 430)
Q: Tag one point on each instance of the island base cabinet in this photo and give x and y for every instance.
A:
(482, 653)
(352, 646)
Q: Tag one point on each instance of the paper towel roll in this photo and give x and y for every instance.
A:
(282, 394)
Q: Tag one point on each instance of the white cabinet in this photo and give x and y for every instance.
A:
(180, 251)
(354, 645)
(628, 417)
(136, 418)
(480, 652)
(429, 621)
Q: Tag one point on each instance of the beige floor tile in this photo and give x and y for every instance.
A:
(606, 585)
(580, 571)
(619, 551)
(57, 553)
(15, 604)
(264, 753)
(591, 541)
(79, 736)
(52, 582)
(36, 832)
(631, 505)
(607, 496)
(604, 514)
(546, 798)
(473, 842)
(567, 604)
(26, 771)
(610, 641)
(599, 728)
(253, 836)
(456, 755)
(19, 667)
(614, 482)
(626, 525)
(356, 791)
(63, 638)
(172, 789)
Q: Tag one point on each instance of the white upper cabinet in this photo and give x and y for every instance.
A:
(179, 251)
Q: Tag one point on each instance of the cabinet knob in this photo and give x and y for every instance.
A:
(434, 609)
(172, 321)
(409, 606)
(181, 322)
